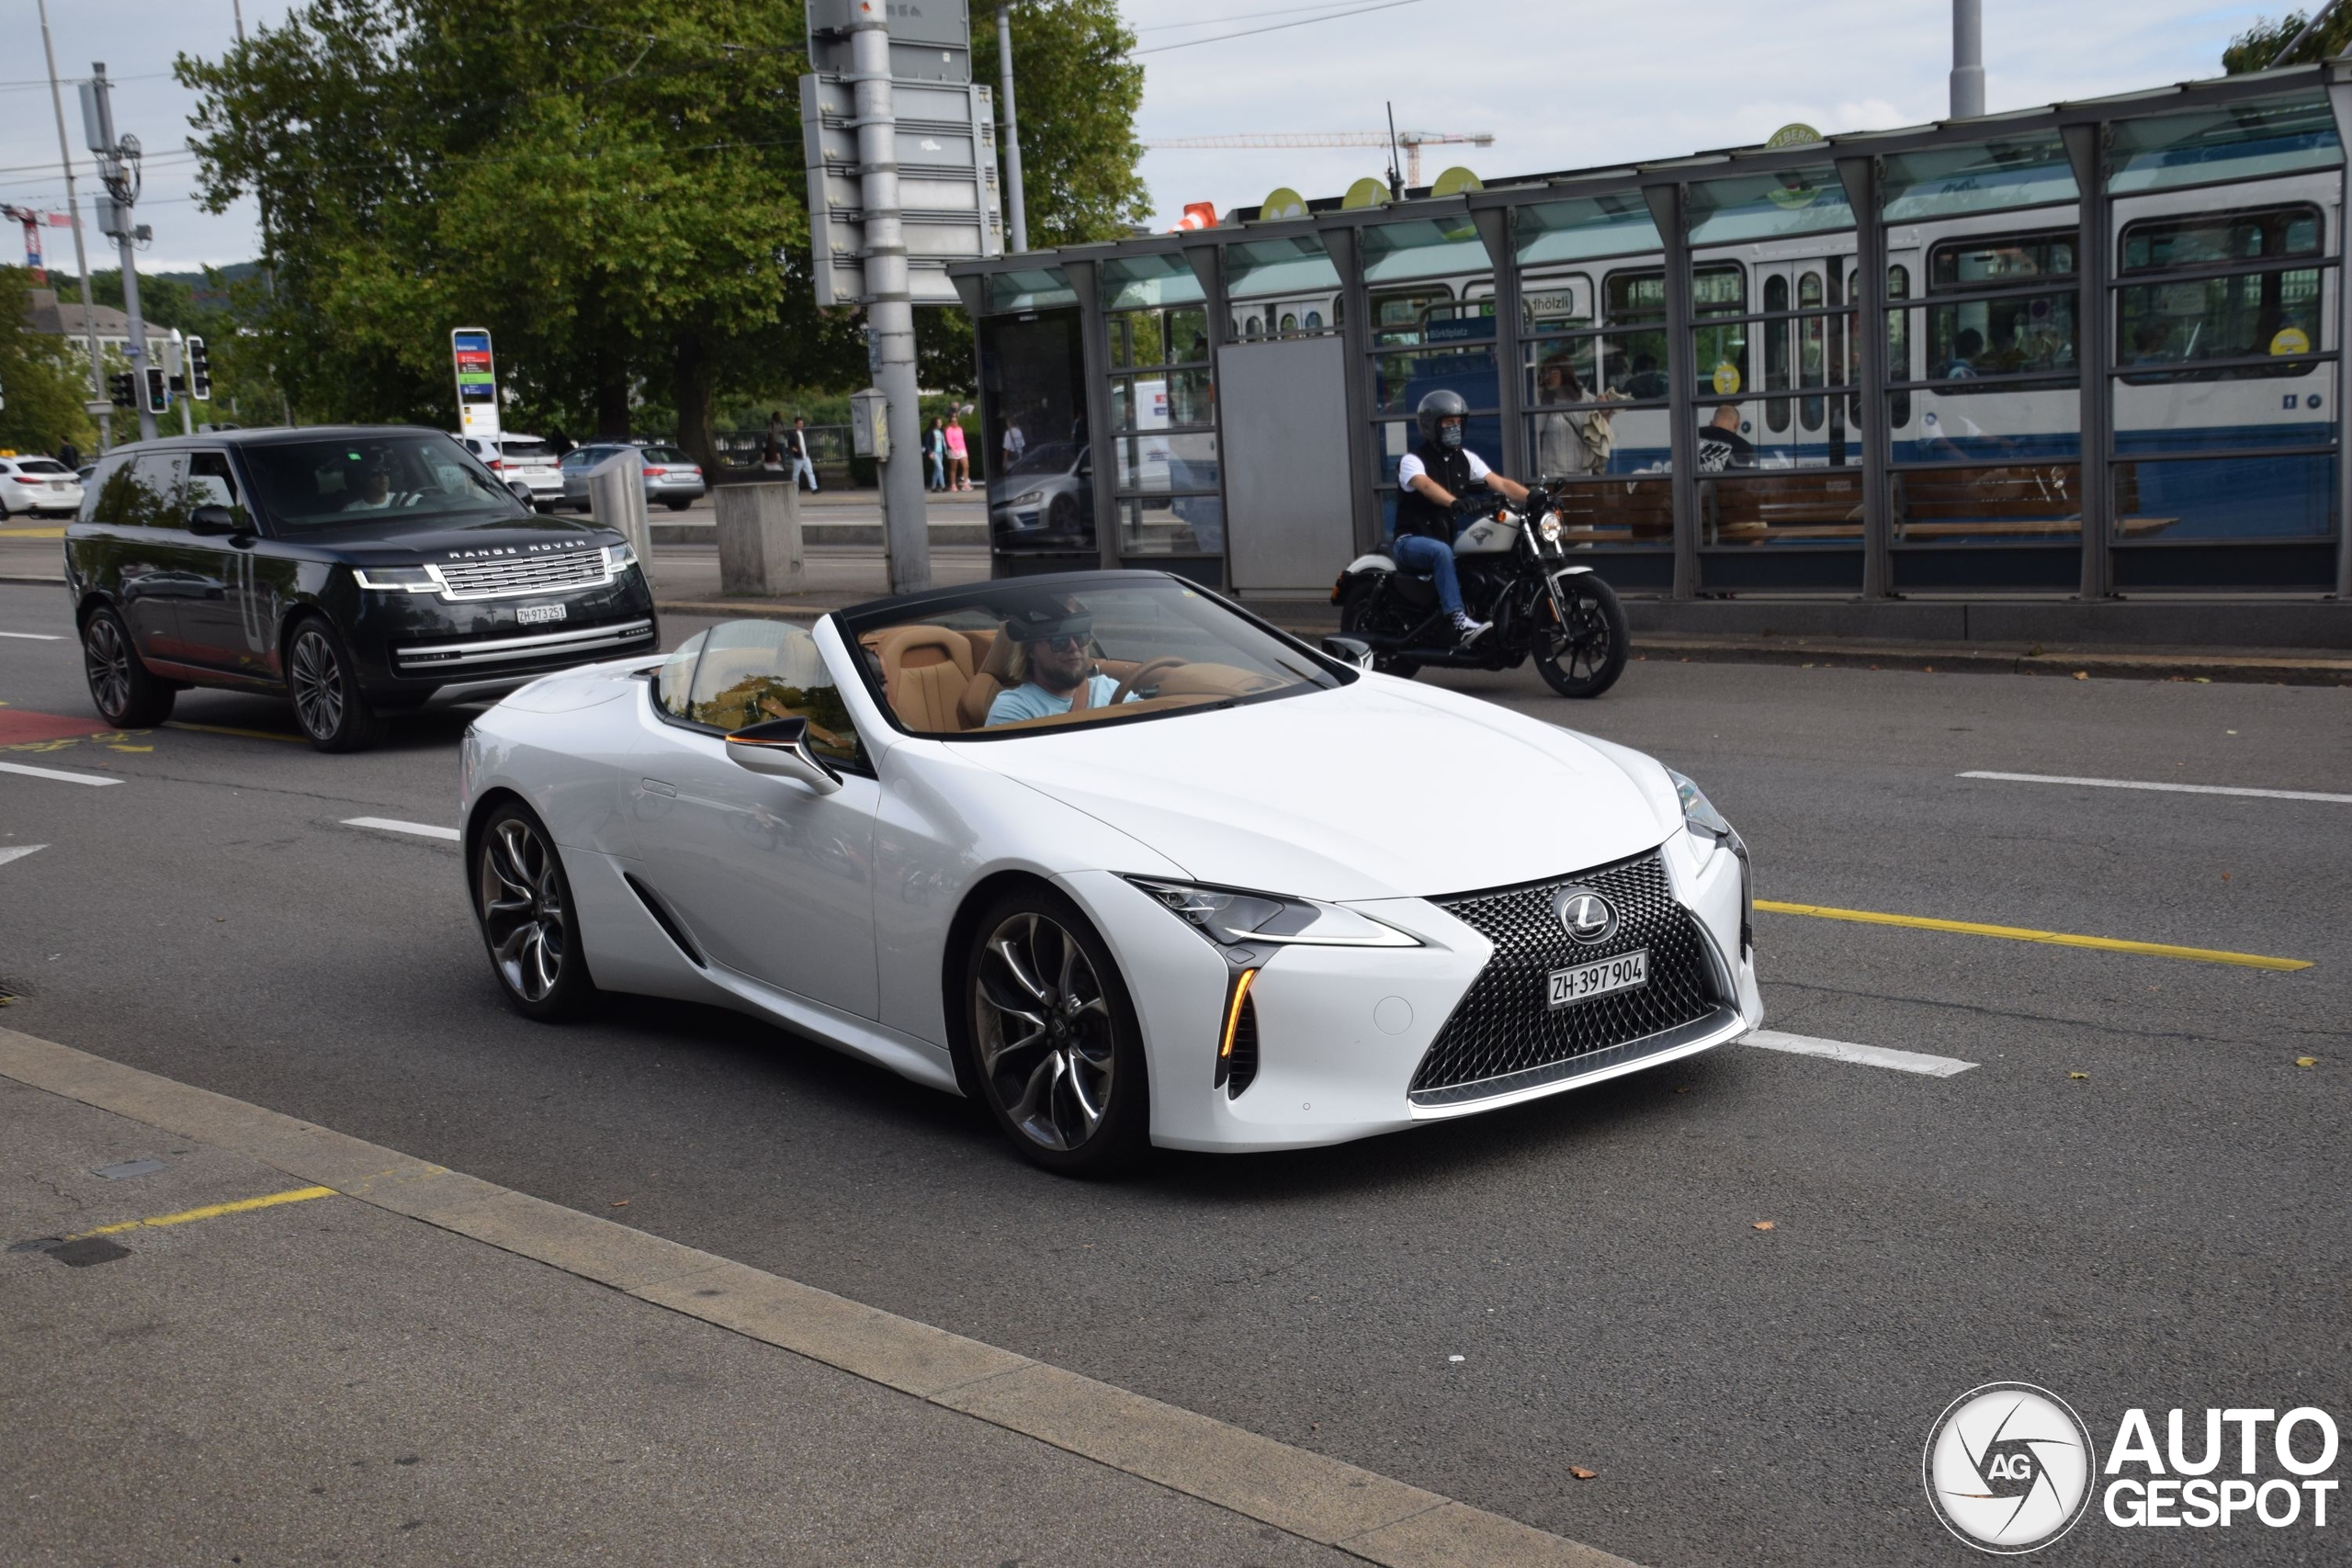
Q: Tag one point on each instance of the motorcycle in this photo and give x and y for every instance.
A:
(1514, 574)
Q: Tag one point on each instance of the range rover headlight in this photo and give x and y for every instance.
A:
(1230, 918)
(618, 558)
(395, 579)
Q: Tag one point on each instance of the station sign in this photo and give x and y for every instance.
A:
(930, 40)
(477, 382)
(951, 206)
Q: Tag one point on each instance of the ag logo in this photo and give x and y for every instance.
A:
(1585, 915)
(2009, 1468)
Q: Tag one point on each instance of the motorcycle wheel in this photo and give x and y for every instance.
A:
(1359, 614)
(1585, 658)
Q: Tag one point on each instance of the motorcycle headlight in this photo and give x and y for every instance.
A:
(1549, 529)
(618, 558)
(395, 579)
(1229, 918)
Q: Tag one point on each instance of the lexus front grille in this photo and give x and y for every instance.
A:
(501, 577)
(1505, 1035)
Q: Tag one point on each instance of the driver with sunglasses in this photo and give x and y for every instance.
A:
(1056, 643)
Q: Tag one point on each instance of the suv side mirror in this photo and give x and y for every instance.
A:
(779, 747)
(522, 492)
(212, 521)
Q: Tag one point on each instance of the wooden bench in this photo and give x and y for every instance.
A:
(1756, 508)
(1616, 512)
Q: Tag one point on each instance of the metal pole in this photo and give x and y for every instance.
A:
(889, 308)
(122, 213)
(80, 256)
(2339, 95)
(2094, 355)
(1012, 128)
(1859, 177)
(1967, 58)
(1666, 209)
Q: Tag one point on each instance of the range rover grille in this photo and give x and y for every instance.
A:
(501, 577)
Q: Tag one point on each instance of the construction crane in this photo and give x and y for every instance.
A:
(34, 261)
(1412, 142)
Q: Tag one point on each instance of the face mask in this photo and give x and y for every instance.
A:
(1451, 436)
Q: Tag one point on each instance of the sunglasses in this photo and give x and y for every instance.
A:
(1063, 642)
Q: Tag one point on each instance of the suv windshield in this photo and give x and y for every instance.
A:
(1006, 658)
(414, 476)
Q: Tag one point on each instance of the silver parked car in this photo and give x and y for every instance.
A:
(520, 459)
(671, 479)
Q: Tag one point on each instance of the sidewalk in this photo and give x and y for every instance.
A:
(316, 1347)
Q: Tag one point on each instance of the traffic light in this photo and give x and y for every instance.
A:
(122, 387)
(200, 371)
(159, 391)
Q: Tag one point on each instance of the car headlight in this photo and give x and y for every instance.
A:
(395, 579)
(618, 558)
(1699, 813)
(1229, 918)
(1028, 497)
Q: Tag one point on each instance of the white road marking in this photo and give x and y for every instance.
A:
(58, 774)
(2168, 788)
(34, 636)
(18, 851)
(388, 825)
(1868, 1056)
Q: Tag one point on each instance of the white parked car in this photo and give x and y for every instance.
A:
(1225, 891)
(521, 459)
(38, 486)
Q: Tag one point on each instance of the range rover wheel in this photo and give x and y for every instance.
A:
(125, 695)
(1054, 1047)
(522, 901)
(323, 682)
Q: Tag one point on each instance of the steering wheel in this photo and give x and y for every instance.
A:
(1149, 667)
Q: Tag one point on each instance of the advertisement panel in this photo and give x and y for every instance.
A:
(476, 383)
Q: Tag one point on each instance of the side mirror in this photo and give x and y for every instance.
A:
(779, 747)
(522, 492)
(212, 521)
(1349, 650)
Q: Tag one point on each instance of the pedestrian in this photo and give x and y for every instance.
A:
(69, 454)
(771, 458)
(796, 447)
(1571, 442)
(1720, 446)
(1014, 445)
(935, 446)
(959, 457)
(559, 444)
(776, 427)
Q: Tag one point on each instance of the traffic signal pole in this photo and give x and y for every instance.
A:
(119, 167)
(80, 256)
(890, 307)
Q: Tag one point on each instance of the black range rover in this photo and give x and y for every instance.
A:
(361, 570)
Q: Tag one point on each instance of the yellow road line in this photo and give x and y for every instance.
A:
(214, 1211)
(225, 729)
(32, 533)
(2019, 933)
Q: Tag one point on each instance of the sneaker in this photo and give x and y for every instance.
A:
(1471, 631)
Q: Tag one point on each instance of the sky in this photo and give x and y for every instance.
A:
(1561, 84)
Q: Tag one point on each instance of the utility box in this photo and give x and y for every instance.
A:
(869, 425)
(759, 539)
(616, 501)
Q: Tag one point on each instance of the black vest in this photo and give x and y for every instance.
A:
(1417, 513)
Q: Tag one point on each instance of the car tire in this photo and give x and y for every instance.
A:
(677, 505)
(322, 680)
(126, 694)
(1061, 517)
(1587, 661)
(1051, 1044)
(523, 903)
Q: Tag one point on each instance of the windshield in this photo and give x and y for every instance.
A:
(529, 446)
(1054, 458)
(1006, 658)
(666, 455)
(317, 484)
(41, 466)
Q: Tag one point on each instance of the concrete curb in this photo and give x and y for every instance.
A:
(1367, 1515)
(2289, 670)
(26, 580)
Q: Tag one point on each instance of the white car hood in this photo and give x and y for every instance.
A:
(1372, 791)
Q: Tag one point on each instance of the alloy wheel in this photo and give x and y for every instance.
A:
(1045, 1031)
(1581, 648)
(523, 912)
(107, 662)
(316, 676)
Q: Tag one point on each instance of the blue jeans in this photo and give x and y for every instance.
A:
(939, 470)
(1419, 552)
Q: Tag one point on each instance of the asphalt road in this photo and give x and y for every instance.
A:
(2134, 1198)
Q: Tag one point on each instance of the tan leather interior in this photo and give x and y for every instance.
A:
(1081, 715)
(993, 674)
(924, 673)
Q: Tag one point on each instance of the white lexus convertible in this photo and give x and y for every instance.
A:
(1114, 857)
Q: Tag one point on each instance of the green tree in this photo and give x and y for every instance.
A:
(2256, 48)
(1076, 93)
(43, 382)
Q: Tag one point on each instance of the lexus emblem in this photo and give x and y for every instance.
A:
(1585, 915)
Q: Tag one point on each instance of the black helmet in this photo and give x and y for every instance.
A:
(1439, 404)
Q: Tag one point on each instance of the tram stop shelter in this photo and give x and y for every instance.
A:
(2072, 352)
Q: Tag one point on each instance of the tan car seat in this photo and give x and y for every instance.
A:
(925, 672)
(996, 672)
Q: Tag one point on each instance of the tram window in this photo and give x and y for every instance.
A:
(1776, 354)
(1314, 320)
(2251, 315)
(1809, 340)
(1636, 298)
(2009, 335)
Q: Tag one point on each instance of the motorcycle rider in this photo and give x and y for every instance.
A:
(1429, 476)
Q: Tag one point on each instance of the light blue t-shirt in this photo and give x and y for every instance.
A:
(1029, 700)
